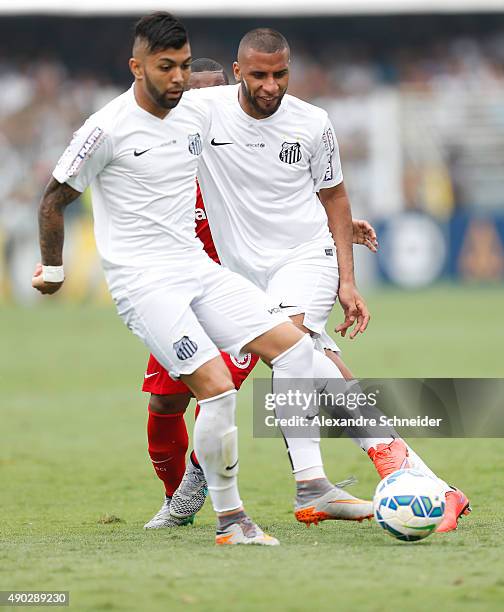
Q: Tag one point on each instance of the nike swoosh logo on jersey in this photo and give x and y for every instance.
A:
(150, 375)
(283, 306)
(138, 153)
(163, 144)
(219, 144)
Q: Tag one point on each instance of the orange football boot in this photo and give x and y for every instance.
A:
(388, 458)
(457, 505)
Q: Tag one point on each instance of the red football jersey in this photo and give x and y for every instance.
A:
(203, 229)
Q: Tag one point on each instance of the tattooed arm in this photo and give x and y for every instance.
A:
(56, 198)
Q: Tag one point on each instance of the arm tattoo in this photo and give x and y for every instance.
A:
(51, 226)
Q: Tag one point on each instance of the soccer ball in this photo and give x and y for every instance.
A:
(409, 505)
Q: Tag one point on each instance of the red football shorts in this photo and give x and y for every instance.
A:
(158, 381)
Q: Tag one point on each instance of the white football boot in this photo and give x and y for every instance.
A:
(190, 494)
(244, 531)
(163, 518)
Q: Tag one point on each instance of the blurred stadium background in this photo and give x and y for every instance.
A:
(416, 97)
(416, 93)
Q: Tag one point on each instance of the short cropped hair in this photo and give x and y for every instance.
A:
(265, 40)
(205, 64)
(161, 30)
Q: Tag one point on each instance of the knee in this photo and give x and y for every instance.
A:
(298, 321)
(211, 379)
(221, 383)
(302, 349)
(169, 404)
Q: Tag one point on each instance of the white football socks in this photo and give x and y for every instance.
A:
(325, 371)
(216, 446)
(294, 368)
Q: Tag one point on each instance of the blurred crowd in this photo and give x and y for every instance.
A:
(451, 63)
(444, 103)
(40, 107)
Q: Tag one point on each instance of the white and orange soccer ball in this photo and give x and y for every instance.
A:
(409, 505)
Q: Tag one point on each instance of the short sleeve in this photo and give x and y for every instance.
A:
(85, 157)
(325, 162)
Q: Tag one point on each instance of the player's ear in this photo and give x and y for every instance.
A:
(136, 68)
(236, 71)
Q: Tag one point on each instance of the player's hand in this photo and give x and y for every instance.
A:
(364, 233)
(355, 310)
(40, 284)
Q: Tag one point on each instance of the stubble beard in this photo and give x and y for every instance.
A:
(158, 97)
(255, 105)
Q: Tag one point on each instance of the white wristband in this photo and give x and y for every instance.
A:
(53, 274)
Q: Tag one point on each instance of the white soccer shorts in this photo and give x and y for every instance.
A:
(309, 288)
(185, 316)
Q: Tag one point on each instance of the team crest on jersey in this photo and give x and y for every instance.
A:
(185, 348)
(195, 145)
(244, 363)
(290, 153)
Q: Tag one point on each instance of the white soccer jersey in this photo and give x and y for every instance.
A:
(142, 173)
(260, 178)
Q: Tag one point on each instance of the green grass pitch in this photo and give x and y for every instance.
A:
(73, 451)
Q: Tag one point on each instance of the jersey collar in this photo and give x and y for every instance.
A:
(142, 111)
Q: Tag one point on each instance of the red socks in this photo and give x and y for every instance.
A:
(168, 442)
(194, 459)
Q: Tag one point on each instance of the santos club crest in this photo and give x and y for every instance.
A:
(290, 152)
(185, 348)
(195, 146)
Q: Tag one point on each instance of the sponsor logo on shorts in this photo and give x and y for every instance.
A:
(244, 363)
(147, 375)
(195, 145)
(274, 310)
(185, 348)
(329, 252)
(290, 153)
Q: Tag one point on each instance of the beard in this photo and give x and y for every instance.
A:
(265, 112)
(158, 97)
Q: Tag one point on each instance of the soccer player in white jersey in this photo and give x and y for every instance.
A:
(140, 154)
(276, 204)
(166, 430)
